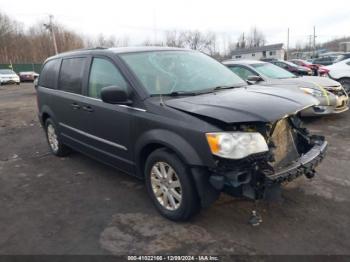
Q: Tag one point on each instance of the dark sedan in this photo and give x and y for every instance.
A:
(28, 76)
(293, 68)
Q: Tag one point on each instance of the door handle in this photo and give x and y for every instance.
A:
(88, 108)
(75, 106)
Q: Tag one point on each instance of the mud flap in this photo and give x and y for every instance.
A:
(207, 193)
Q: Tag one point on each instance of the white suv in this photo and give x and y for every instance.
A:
(8, 76)
(341, 72)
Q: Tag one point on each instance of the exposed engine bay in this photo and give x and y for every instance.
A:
(292, 152)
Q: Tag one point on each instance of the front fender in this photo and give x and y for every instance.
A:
(171, 140)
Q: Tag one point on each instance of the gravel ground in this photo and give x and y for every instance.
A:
(75, 205)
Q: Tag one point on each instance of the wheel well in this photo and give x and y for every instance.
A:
(148, 149)
(145, 152)
(45, 117)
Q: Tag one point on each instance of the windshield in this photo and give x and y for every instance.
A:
(6, 72)
(167, 72)
(272, 71)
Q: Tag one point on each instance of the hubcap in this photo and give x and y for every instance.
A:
(52, 137)
(166, 185)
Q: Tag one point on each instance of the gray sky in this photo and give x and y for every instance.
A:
(150, 18)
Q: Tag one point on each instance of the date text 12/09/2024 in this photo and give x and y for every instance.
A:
(173, 258)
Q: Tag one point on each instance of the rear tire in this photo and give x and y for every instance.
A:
(56, 146)
(170, 186)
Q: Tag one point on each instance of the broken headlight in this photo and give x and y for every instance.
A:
(236, 145)
(311, 91)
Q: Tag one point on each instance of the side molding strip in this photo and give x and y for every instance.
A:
(95, 137)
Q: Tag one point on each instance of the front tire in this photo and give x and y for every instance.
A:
(56, 146)
(170, 186)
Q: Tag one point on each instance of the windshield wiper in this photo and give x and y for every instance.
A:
(178, 93)
(182, 93)
(225, 87)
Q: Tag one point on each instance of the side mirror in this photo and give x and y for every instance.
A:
(115, 95)
(254, 79)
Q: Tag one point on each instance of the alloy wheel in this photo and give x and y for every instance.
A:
(166, 185)
(52, 138)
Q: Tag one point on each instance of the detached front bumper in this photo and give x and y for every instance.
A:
(334, 105)
(305, 165)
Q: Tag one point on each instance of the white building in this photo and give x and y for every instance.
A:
(256, 53)
(344, 46)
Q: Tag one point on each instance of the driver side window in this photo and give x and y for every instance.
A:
(242, 72)
(103, 73)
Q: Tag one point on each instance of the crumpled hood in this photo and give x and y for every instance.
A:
(313, 82)
(248, 104)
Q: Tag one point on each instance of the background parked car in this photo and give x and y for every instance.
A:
(28, 76)
(341, 72)
(8, 76)
(317, 70)
(325, 60)
(342, 57)
(293, 68)
(330, 94)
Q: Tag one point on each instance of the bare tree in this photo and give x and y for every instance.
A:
(256, 38)
(148, 42)
(174, 38)
(33, 45)
(241, 42)
(197, 40)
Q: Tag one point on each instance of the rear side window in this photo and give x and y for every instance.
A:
(71, 75)
(48, 75)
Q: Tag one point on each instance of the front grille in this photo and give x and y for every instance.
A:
(285, 150)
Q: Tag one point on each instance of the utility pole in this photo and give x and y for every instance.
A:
(287, 54)
(314, 43)
(310, 38)
(50, 27)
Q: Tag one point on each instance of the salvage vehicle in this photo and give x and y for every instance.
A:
(8, 76)
(178, 119)
(293, 68)
(340, 71)
(331, 95)
(28, 76)
(342, 57)
(318, 70)
(325, 60)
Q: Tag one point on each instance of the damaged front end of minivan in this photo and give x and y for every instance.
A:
(257, 141)
(292, 152)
